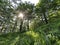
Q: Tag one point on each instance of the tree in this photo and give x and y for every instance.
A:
(27, 9)
(5, 14)
(42, 8)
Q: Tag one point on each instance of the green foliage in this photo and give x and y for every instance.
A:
(28, 38)
(40, 33)
(44, 35)
(52, 31)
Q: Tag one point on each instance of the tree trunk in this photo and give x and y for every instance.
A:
(28, 25)
(45, 18)
(15, 25)
(21, 26)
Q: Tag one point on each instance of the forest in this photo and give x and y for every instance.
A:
(23, 23)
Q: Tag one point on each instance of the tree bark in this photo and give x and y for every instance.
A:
(45, 18)
(15, 25)
(28, 25)
(21, 26)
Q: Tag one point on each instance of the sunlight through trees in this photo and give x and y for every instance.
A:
(29, 22)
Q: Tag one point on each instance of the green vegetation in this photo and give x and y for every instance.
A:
(29, 24)
(41, 36)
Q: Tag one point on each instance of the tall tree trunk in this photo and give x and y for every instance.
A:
(45, 18)
(21, 26)
(15, 25)
(28, 25)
